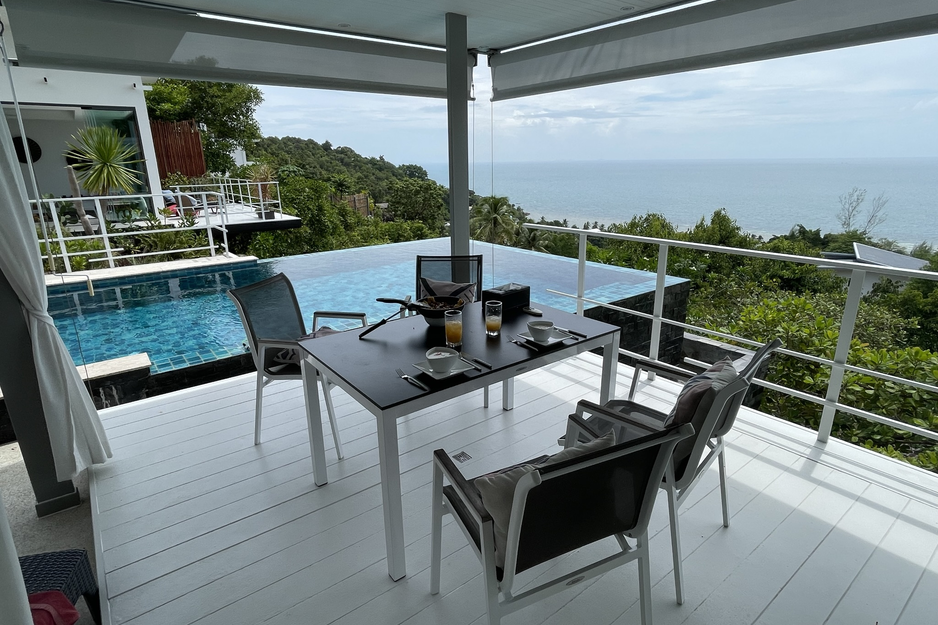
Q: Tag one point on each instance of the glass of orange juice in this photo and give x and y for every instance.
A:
(453, 324)
(493, 318)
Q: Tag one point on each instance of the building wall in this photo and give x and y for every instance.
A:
(37, 87)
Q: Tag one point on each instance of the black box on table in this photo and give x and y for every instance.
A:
(512, 296)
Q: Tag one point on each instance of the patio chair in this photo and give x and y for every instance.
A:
(68, 571)
(707, 401)
(551, 508)
(450, 275)
(273, 324)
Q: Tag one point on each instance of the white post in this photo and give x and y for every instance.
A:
(581, 274)
(457, 113)
(103, 228)
(847, 325)
(53, 208)
(659, 301)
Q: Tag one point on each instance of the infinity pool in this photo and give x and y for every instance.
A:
(183, 319)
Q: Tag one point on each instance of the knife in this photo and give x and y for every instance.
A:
(518, 341)
(571, 332)
(476, 360)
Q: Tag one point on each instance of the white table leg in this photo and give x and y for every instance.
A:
(390, 464)
(317, 447)
(607, 388)
(508, 394)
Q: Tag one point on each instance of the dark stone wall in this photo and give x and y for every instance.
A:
(636, 331)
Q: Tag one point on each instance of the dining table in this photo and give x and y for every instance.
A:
(365, 368)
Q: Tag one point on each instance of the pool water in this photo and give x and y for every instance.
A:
(184, 320)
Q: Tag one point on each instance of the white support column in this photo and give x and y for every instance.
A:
(659, 302)
(581, 274)
(847, 325)
(457, 112)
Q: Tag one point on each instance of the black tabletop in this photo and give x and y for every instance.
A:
(368, 364)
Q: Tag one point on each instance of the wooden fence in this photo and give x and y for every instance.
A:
(178, 148)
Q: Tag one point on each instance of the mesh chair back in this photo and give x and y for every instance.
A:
(269, 310)
(585, 499)
(715, 415)
(464, 269)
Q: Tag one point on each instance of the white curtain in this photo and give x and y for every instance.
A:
(15, 605)
(75, 430)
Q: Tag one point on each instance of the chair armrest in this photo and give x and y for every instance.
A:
(642, 417)
(577, 426)
(334, 314)
(661, 368)
(466, 490)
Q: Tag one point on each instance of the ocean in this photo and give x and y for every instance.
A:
(765, 197)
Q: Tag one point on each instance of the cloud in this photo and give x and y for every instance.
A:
(801, 106)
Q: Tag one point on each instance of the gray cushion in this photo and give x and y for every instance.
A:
(498, 489)
(716, 377)
(441, 288)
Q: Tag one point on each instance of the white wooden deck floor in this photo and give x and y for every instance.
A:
(194, 524)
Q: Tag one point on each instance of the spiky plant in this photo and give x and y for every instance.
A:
(103, 160)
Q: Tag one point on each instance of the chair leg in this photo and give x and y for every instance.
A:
(330, 410)
(721, 459)
(436, 529)
(493, 609)
(644, 578)
(258, 407)
(675, 540)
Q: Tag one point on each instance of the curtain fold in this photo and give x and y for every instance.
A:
(15, 604)
(75, 430)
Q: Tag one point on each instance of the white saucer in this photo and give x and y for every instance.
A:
(555, 337)
(459, 367)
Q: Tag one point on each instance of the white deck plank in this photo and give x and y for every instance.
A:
(197, 524)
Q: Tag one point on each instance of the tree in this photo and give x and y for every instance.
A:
(226, 111)
(493, 220)
(418, 200)
(850, 218)
(413, 171)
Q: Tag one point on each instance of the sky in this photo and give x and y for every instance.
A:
(872, 101)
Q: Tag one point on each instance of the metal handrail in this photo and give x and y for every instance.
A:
(838, 364)
(105, 235)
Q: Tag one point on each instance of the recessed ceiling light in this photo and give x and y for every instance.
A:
(627, 7)
(344, 25)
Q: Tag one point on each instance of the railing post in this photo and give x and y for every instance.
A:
(847, 324)
(658, 309)
(581, 274)
(54, 210)
(211, 240)
(104, 235)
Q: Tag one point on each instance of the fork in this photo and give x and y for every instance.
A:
(412, 380)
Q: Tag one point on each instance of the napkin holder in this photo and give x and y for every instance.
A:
(512, 296)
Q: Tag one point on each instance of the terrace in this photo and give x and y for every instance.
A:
(192, 523)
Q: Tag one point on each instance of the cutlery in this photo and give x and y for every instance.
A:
(522, 343)
(412, 380)
(470, 363)
(475, 360)
(573, 333)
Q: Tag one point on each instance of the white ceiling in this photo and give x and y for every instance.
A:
(140, 37)
(493, 24)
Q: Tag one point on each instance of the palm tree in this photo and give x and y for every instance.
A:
(102, 160)
(493, 220)
(535, 240)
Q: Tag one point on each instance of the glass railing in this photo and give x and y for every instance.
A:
(909, 405)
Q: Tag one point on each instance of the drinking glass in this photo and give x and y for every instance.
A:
(453, 325)
(493, 318)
